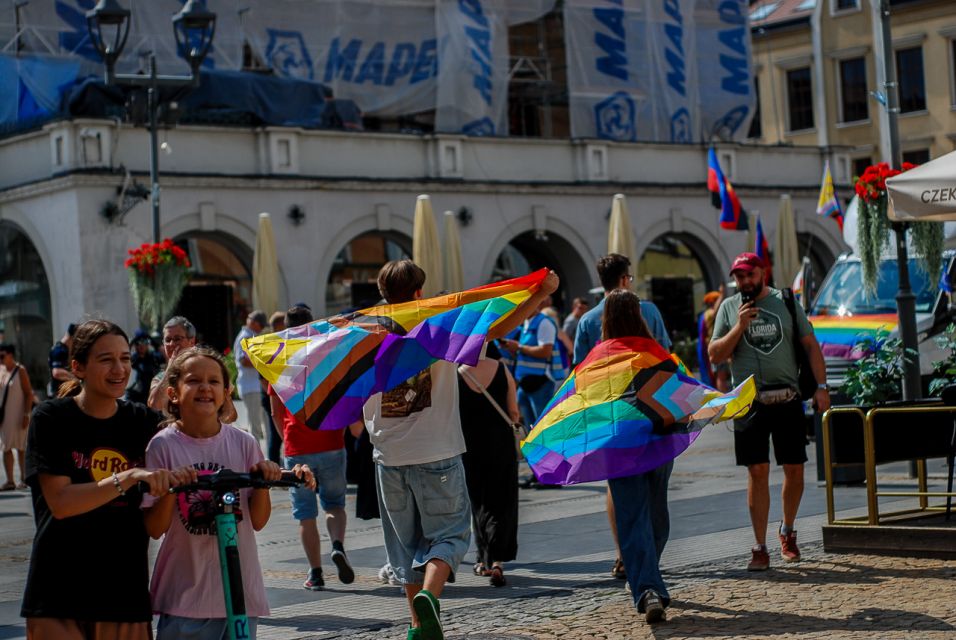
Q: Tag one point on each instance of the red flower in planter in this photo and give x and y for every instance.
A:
(147, 257)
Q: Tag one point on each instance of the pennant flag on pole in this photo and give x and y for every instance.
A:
(628, 408)
(828, 204)
(732, 215)
(325, 371)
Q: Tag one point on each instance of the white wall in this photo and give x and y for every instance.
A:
(219, 180)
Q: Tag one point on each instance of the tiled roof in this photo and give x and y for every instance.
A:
(770, 12)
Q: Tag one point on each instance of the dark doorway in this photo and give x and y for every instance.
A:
(532, 250)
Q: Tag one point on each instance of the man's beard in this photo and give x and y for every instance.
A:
(752, 291)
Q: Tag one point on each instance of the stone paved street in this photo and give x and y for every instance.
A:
(560, 587)
(825, 596)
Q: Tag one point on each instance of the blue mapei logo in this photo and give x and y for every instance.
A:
(680, 126)
(732, 120)
(615, 118)
(287, 54)
(482, 127)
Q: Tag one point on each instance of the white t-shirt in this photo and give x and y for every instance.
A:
(418, 421)
(547, 331)
(247, 378)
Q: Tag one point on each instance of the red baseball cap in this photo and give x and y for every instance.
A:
(747, 262)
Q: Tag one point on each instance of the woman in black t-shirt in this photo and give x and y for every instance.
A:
(85, 453)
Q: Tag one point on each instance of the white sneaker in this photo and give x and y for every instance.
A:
(387, 576)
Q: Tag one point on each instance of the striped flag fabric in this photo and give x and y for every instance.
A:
(732, 214)
(325, 371)
(828, 204)
(629, 407)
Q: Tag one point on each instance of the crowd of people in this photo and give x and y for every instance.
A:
(435, 458)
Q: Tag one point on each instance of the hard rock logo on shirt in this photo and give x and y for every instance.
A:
(765, 332)
(412, 396)
(102, 463)
(197, 509)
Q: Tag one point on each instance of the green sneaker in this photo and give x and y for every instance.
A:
(428, 611)
(413, 634)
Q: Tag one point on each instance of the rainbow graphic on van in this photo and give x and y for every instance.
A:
(837, 335)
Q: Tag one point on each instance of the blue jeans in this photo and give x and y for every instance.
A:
(532, 404)
(426, 515)
(329, 470)
(643, 525)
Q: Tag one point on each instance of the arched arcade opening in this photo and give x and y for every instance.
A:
(25, 305)
(675, 271)
(533, 250)
(352, 280)
(219, 293)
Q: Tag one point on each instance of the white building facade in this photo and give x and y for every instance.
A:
(342, 203)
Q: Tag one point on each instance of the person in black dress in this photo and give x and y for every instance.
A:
(491, 462)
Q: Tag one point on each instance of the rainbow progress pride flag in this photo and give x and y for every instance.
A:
(325, 371)
(628, 408)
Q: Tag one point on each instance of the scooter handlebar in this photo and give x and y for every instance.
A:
(228, 480)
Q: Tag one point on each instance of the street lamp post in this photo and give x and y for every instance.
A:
(905, 299)
(193, 27)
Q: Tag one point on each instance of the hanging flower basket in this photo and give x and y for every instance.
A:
(873, 227)
(157, 276)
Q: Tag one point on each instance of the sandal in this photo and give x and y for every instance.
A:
(497, 576)
(480, 570)
(618, 571)
(8, 486)
(22, 486)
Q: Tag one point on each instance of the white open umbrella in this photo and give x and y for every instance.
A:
(786, 252)
(454, 273)
(265, 268)
(620, 238)
(426, 250)
(925, 193)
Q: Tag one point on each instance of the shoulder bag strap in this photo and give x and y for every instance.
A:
(467, 375)
(792, 308)
(6, 389)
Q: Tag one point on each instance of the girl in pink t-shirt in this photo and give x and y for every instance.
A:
(186, 587)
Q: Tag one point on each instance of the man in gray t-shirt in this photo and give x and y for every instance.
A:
(754, 329)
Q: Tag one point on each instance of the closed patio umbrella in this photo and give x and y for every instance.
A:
(926, 193)
(620, 238)
(454, 274)
(752, 217)
(786, 252)
(426, 251)
(265, 268)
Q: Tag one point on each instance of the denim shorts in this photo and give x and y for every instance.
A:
(426, 515)
(179, 628)
(329, 470)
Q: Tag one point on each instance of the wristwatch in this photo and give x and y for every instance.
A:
(824, 386)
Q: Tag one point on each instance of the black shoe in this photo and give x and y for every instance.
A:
(315, 581)
(653, 607)
(346, 574)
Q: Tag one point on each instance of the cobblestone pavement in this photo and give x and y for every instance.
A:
(825, 596)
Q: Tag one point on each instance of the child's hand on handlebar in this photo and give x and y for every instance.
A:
(158, 480)
(303, 472)
(270, 470)
(184, 475)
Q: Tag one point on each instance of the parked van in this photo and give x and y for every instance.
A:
(842, 313)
